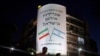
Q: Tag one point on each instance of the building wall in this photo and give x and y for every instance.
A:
(75, 29)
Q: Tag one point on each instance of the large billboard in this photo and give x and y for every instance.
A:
(51, 29)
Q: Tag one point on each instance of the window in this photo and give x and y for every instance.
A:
(76, 22)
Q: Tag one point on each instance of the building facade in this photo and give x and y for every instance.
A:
(78, 40)
(77, 37)
(27, 42)
(75, 32)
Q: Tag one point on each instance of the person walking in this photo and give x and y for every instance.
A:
(44, 51)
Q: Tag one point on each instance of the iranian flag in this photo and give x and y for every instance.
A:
(42, 34)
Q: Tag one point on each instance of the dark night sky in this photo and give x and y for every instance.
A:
(20, 12)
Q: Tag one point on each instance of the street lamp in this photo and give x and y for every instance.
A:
(12, 48)
(79, 49)
(80, 45)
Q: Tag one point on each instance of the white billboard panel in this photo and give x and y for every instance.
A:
(51, 29)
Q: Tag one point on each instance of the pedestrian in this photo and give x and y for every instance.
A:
(58, 54)
(43, 53)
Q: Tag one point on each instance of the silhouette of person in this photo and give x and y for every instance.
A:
(58, 54)
(44, 50)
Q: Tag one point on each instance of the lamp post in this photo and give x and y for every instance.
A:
(11, 49)
(80, 45)
(79, 51)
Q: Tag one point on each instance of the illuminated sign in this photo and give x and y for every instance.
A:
(51, 29)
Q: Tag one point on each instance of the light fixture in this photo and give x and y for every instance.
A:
(12, 48)
(39, 6)
(32, 53)
(79, 49)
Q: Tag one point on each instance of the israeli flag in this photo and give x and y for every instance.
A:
(58, 33)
